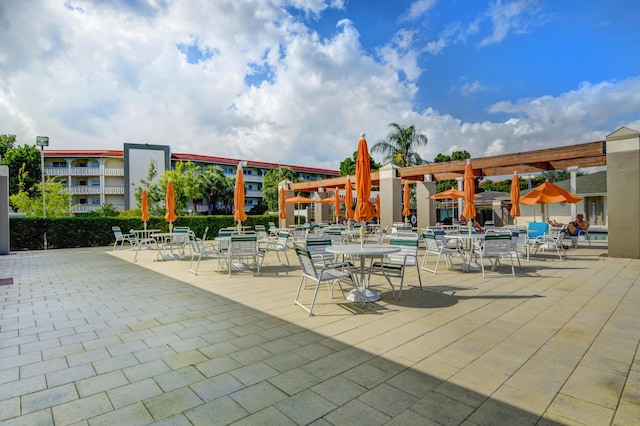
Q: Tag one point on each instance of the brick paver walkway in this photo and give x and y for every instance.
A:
(88, 337)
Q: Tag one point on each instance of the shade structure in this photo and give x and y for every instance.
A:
(378, 206)
(364, 211)
(238, 197)
(348, 199)
(144, 206)
(469, 210)
(515, 196)
(548, 193)
(406, 200)
(283, 210)
(299, 200)
(170, 204)
(449, 194)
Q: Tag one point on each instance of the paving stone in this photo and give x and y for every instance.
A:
(222, 411)
(48, 398)
(178, 378)
(101, 383)
(71, 374)
(81, 409)
(138, 391)
(171, 403)
(132, 415)
(216, 387)
(145, 370)
(258, 396)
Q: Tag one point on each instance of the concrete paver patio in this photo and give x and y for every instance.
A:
(89, 337)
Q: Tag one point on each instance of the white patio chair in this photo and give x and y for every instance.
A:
(122, 238)
(495, 247)
(244, 250)
(437, 247)
(201, 248)
(278, 246)
(330, 273)
(317, 247)
(395, 264)
(553, 239)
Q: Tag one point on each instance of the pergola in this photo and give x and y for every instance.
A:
(561, 158)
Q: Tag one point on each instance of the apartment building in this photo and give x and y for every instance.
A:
(98, 177)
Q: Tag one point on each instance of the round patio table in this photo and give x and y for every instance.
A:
(362, 293)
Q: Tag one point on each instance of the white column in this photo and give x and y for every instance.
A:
(460, 200)
(572, 189)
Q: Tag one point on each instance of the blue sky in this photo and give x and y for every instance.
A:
(296, 81)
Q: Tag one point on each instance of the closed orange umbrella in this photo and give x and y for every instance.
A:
(144, 205)
(238, 197)
(515, 195)
(378, 206)
(364, 212)
(170, 204)
(336, 205)
(469, 192)
(406, 200)
(283, 211)
(348, 199)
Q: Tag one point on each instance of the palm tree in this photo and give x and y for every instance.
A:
(401, 145)
(214, 186)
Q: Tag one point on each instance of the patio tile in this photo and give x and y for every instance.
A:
(178, 378)
(135, 392)
(81, 409)
(101, 383)
(305, 407)
(132, 415)
(221, 411)
(71, 374)
(255, 398)
(268, 416)
(171, 403)
(216, 387)
(48, 398)
(356, 412)
(145, 370)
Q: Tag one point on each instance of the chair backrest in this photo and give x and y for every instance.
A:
(408, 253)
(204, 235)
(306, 262)
(497, 244)
(117, 232)
(317, 245)
(537, 229)
(335, 235)
(430, 241)
(240, 244)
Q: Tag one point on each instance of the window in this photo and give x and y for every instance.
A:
(82, 182)
(95, 182)
(61, 164)
(82, 163)
(95, 201)
(246, 172)
(94, 163)
(83, 201)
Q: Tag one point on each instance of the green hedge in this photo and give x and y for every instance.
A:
(68, 232)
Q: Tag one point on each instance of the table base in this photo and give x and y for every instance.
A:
(368, 295)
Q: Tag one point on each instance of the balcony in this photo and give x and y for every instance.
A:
(253, 193)
(84, 171)
(114, 190)
(88, 208)
(85, 190)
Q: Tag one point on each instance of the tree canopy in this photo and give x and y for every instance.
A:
(401, 146)
(348, 165)
(270, 184)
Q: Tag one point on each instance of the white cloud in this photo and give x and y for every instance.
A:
(511, 16)
(468, 89)
(94, 75)
(418, 8)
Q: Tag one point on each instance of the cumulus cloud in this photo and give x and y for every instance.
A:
(251, 80)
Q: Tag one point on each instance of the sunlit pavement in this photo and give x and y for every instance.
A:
(89, 337)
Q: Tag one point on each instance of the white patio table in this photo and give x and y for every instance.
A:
(362, 293)
(467, 245)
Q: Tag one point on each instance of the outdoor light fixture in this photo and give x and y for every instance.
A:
(43, 141)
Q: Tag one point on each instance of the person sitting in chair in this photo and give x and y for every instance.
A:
(577, 226)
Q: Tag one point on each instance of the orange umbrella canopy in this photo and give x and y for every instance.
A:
(283, 211)
(348, 199)
(406, 200)
(469, 192)
(448, 194)
(299, 200)
(515, 196)
(378, 206)
(238, 197)
(170, 204)
(548, 193)
(364, 210)
(144, 205)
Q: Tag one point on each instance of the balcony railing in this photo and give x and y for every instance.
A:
(84, 171)
(80, 190)
(87, 208)
(253, 193)
(114, 190)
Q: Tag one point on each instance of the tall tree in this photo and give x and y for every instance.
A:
(26, 158)
(270, 184)
(348, 165)
(212, 185)
(401, 146)
(443, 185)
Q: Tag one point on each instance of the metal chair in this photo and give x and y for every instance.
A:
(201, 248)
(122, 238)
(331, 273)
(394, 264)
(437, 247)
(494, 247)
(278, 246)
(244, 249)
